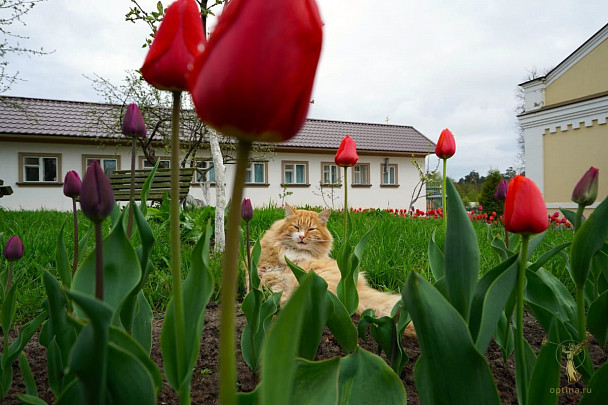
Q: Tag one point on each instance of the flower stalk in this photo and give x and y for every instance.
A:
(132, 192)
(174, 234)
(345, 199)
(98, 261)
(75, 211)
(443, 196)
(227, 355)
(521, 283)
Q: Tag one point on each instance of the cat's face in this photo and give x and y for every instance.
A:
(306, 231)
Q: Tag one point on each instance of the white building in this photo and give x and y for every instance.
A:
(41, 140)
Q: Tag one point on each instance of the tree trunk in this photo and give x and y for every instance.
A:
(220, 191)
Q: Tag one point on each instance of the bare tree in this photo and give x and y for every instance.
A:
(13, 12)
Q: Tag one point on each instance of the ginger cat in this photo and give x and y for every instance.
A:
(303, 237)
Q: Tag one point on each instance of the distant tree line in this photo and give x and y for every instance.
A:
(474, 188)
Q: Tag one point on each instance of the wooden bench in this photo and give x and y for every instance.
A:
(5, 190)
(121, 183)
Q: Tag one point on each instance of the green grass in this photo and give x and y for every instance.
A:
(396, 247)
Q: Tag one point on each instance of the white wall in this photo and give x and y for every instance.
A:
(51, 197)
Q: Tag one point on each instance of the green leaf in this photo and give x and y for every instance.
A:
(25, 334)
(124, 343)
(57, 327)
(597, 318)
(597, 388)
(501, 248)
(250, 347)
(61, 257)
(545, 290)
(315, 382)
(588, 240)
(82, 243)
(547, 255)
(436, 259)
(7, 311)
(129, 381)
(450, 369)
(503, 336)
(279, 353)
(30, 399)
(545, 376)
(341, 325)
(571, 216)
(142, 326)
(535, 243)
(122, 271)
(26, 373)
(524, 365)
(197, 289)
(461, 255)
(254, 278)
(145, 189)
(491, 296)
(89, 356)
(316, 311)
(366, 379)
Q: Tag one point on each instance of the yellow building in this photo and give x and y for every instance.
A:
(564, 123)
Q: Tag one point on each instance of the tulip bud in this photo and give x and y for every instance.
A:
(347, 153)
(13, 250)
(446, 145)
(179, 39)
(585, 191)
(525, 210)
(501, 190)
(133, 123)
(96, 195)
(72, 184)
(255, 77)
(246, 210)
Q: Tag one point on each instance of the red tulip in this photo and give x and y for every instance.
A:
(72, 184)
(179, 39)
(13, 250)
(347, 153)
(446, 145)
(255, 78)
(585, 191)
(525, 210)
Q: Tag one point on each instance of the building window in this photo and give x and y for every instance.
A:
(330, 174)
(39, 168)
(256, 173)
(108, 163)
(164, 163)
(208, 172)
(389, 175)
(361, 174)
(295, 173)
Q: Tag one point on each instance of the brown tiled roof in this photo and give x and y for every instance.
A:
(32, 116)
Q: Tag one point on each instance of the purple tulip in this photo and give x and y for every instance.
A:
(585, 191)
(13, 249)
(501, 190)
(72, 184)
(133, 124)
(246, 210)
(96, 195)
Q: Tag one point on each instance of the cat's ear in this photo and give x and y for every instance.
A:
(289, 211)
(324, 216)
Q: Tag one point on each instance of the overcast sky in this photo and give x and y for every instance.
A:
(429, 64)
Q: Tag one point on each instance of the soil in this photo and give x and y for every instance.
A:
(205, 377)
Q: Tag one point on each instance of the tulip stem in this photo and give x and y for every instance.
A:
(227, 349)
(248, 250)
(521, 283)
(98, 261)
(443, 196)
(579, 216)
(75, 263)
(176, 261)
(9, 281)
(345, 201)
(132, 194)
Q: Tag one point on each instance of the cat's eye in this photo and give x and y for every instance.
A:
(297, 227)
(312, 229)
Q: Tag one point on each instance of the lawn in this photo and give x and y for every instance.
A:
(397, 246)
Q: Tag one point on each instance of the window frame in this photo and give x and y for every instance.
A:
(101, 158)
(195, 174)
(22, 173)
(368, 183)
(337, 184)
(304, 163)
(250, 169)
(143, 160)
(394, 166)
